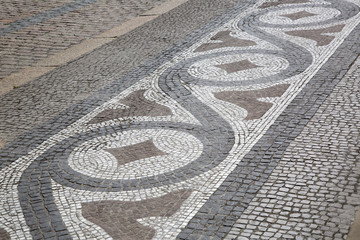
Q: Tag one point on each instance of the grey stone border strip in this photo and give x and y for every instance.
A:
(224, 207)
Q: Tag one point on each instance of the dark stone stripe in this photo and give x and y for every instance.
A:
(226, 205)
(44, 16)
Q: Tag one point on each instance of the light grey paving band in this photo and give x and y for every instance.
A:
(43, 16)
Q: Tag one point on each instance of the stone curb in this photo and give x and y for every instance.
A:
(354, 233)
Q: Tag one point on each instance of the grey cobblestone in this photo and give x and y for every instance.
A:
(40, 100)
(12, 11)
(325, 216)
(25, 46)
(306, 113)
(214, 138)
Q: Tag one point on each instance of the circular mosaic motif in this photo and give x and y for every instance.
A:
(238, 67)
(302, 15)
(135, 154)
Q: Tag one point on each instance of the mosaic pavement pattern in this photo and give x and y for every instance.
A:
(250, 133)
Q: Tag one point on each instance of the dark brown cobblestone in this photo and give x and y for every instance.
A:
(136, 105)
(4, 235)
(119, 219)
(135, 152)
(249, 99)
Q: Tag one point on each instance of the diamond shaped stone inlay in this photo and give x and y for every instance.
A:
(299, 15)
(135, 152)
(237, 66)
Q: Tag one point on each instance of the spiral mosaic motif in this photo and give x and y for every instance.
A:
(134, 149)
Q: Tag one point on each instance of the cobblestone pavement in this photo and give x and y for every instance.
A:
(245, 126)
(32, 31)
